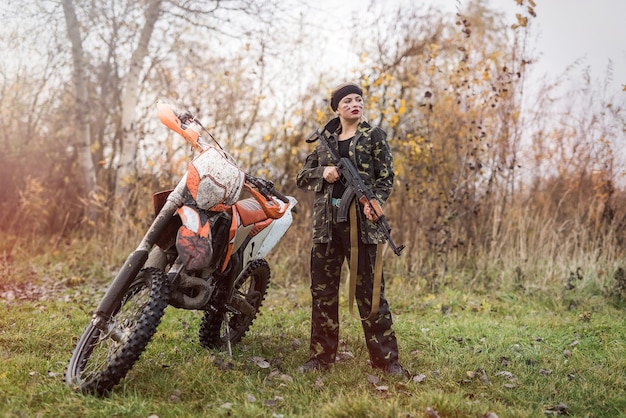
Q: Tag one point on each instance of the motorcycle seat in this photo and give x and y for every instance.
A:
(250, 211)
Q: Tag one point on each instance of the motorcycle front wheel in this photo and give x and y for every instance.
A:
(249, 291)
(105, 353)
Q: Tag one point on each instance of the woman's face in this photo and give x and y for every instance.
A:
(351, 107)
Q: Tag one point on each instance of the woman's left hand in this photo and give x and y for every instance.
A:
(369, 213)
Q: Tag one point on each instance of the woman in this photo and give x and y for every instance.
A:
(367, 148)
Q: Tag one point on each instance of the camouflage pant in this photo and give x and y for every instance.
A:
(326, 263)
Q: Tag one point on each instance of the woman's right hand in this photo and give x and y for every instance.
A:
(331, 174)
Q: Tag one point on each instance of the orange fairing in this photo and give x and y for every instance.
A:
(193, 240)
(270, 207)
(234, 224)
(260, 226)
(168, 118)
(193, 181)
(191, 219)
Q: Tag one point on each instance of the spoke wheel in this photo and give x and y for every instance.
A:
(249, 290)
(106, 353)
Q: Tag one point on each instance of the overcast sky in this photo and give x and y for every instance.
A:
(591, 32)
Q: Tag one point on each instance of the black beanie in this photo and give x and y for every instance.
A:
(342, 91)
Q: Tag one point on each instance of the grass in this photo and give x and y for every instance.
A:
(509, 354)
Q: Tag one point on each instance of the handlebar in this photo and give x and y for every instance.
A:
(280, 196)
(266, 188)
(187, 124)
(186, 117)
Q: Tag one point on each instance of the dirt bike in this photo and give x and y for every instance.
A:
(205, 251)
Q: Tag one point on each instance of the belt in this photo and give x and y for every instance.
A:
(335, 202)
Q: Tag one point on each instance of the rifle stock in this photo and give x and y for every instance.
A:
(356, 186)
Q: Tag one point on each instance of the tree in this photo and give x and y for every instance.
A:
(82, 138)
(130, 97)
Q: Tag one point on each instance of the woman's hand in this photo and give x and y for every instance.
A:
(369, 212)
(331, 174)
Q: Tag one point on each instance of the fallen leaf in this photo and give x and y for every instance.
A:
(484, 378)
(344, 356)
(372, 379)
(273, 374)
(558, 409)
(295, 344)
(419, 378)
(431, 413)
(286, 378)
(260, 362)
(224, 365)
(506, 375)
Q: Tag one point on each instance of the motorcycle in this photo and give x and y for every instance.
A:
(205, 251)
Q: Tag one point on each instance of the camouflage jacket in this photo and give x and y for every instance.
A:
(370, 154)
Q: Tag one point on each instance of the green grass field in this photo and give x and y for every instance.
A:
(508, 354)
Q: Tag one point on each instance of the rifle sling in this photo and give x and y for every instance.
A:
(354, 262)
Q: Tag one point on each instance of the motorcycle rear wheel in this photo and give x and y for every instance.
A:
(103, 357)
(251, 287)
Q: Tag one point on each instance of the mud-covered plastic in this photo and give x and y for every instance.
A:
(213, 178)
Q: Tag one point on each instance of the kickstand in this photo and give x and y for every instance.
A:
(230, 348)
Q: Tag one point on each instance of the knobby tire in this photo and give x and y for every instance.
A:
(252, 285)
(99, 362)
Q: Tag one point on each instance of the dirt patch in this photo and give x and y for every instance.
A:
(45, 289)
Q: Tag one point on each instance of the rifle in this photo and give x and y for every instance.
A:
(355, 186)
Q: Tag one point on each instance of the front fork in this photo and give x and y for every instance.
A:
(136, 260)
